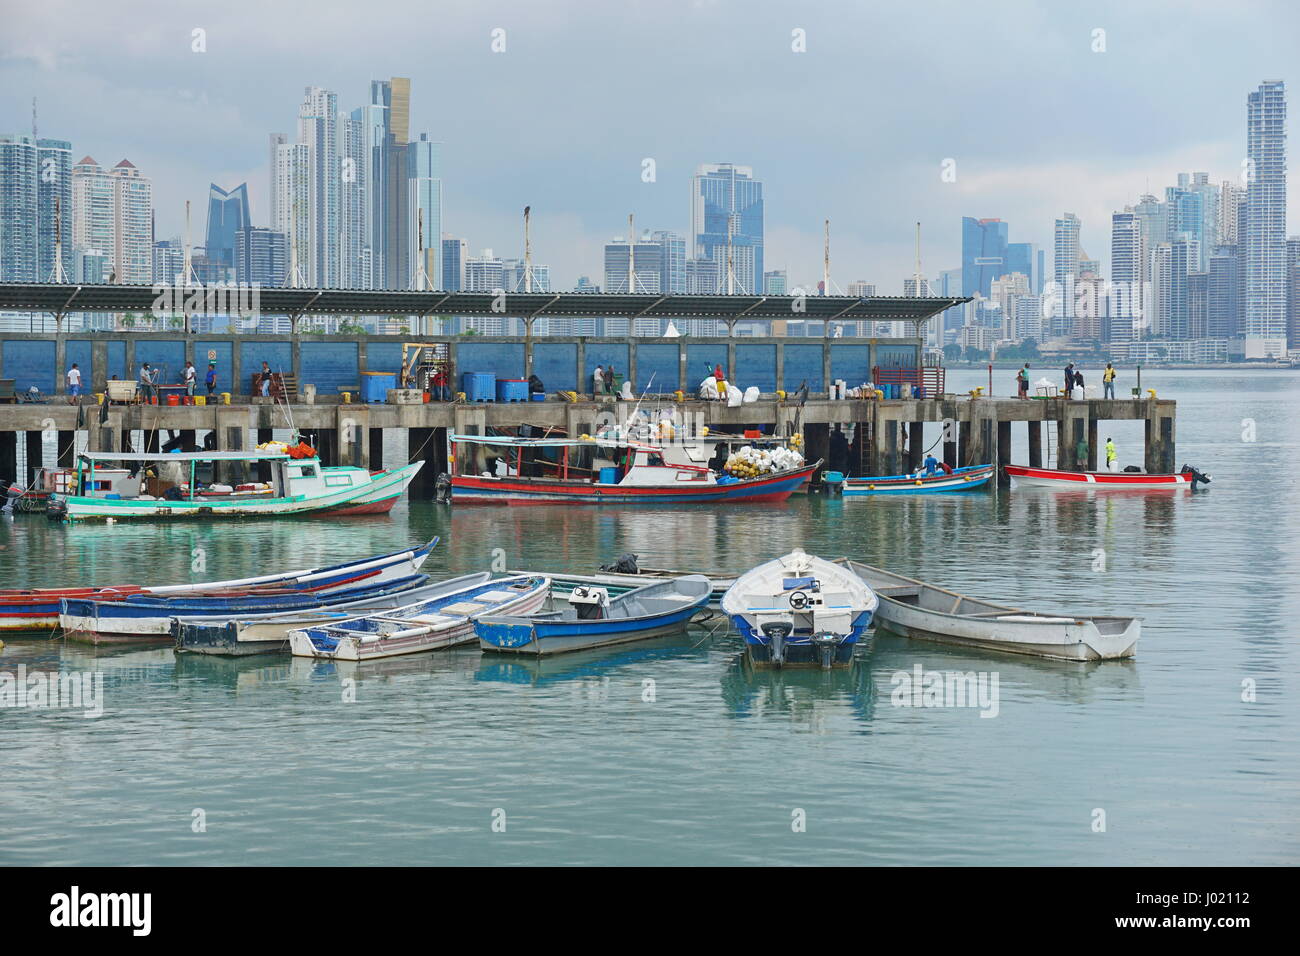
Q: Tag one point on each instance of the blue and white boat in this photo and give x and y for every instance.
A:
(269, 633)
(592, 619)
(445, 621)
(966, 478)
(800, 609)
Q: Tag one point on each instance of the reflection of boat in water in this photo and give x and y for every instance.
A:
(584, 665)
(805, 696)
(455, 660)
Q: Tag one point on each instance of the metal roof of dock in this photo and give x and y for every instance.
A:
(183, 456)
(61, 298)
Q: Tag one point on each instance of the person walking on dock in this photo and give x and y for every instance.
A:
(190, 379)
(74, 385)
(1112, 457)
(1022, 382)
(1108, 383)
(147, 391)
(265, 386)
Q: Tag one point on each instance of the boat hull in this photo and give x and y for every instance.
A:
(962, 479)
(777, 487)
(1097, 480)
(545, 638)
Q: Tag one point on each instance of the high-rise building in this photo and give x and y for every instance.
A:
(291, 205)
(261, 257)
(1232, 198)
(169, 261)
(1293, 293)
(318, 132)
(1065, 272)
(484, 274)
(672, 270)
(1265, 239)
(357, 267)
(1127, 272)
(132, 225)
(727, 224)
(424, 205)
(227, 214)
(453, 264)
(775, 282)
(514, 279)
(642, 275)
(396, 95)
(986, 254)
(1198, 305)
(1175, 262)
(35, 208)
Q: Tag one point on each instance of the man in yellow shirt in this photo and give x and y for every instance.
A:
(1112, 456)
(1108, 381)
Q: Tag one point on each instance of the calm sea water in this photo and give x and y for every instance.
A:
(718, 766)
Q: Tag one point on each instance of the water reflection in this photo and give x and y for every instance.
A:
(805, 697)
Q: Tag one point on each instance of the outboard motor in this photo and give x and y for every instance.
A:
(825, 644)
(12, 494)
(442, 487)
(776, 633)
(1197, 475)
(625, 564)
(592, 604)
(56, 509)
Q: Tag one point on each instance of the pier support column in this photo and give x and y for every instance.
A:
(375, 457)
(1072, 430)
(67, 443)
(964, 444)
(9, 457)
(949, 442)
(915, 444)
(353, 435)
(35, 453)
(1035, 444)
(264, 467)
(1004, 453)
(1159, 457)
(817, 436)
(1092, 443)
(419, 446)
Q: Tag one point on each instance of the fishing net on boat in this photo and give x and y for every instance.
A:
(751, 462)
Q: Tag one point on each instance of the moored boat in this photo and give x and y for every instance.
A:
(800, 609)
(599, 471)
(592, 619)
(923, 611)
(443, 622)
(1187, 478)
(269, 633)
(38, 609)
(967, 478)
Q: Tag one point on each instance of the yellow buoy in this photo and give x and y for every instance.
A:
(918, 481)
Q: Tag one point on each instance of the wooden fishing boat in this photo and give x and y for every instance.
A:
(443, 622)
(38, 609)
(563, 582)
(967, 478)
(1187, 478)
(800, 609)
(593, 619)
(269, 633)
(598, 471)
(915, 609)
(298, 486)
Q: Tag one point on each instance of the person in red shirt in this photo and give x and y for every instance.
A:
(439, 384)
(718, 373)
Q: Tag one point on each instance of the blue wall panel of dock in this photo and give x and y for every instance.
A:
(82, 352)
(803, 363)
(225, 355)
(382, 357)
(556, 364)
(756, 365)
(852, 363)
(167, 354)
(117, 361)
(656, 368)
(502, 359)
(896, 356)
(604, 355)
(30, 363)
(700, 360)
(278, 355)
(329, 365)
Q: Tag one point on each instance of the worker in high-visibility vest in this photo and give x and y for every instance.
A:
(1112, 457)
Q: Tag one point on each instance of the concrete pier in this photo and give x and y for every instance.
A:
(886, 435)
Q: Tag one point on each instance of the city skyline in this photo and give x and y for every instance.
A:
(585, 171)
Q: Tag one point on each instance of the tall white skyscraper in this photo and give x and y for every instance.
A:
(132, 225)
(1127, 274)
(318, 130)
(291, 208)
(727, 224)
(1265, 239)
(1065, 272)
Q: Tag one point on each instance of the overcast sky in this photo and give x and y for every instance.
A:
(855, 129)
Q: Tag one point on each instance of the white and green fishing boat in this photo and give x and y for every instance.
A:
(157, 485)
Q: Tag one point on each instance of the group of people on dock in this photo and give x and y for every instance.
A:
(1074, 384)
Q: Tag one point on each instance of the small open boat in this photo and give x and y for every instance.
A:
(593, 619)
(563, 582)
(38, 609)
(915, 609)
(967, 478)
(800, 609)
(269, 633)
(426, 626)
(1187, 478)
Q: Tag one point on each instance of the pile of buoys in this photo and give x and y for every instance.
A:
(750, 462)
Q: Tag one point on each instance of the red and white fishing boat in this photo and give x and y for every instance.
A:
(1105, 480)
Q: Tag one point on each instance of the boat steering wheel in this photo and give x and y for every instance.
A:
(798, 600)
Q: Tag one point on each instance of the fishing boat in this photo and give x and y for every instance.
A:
(297, 486)
(967, 478)
(443, 622)
(915, 609)
(800, 609)
(1187, 478)
(269, 633)
(598, 471)
(38, 609)
(563, 582)
(593, 619)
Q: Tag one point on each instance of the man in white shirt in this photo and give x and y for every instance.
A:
(74, 384)
(191, 377)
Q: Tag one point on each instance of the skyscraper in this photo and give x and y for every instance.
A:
(424, 169)
(1265, 239)
(261, 257)
(291, 206)
(1127, 276)
(727, 224)
(227, 214)
(318, 132)
(35, 208)
(1065, 272)
(646, 266)
(672, 273)
(453, 264)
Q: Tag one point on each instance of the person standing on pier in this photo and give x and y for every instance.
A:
(265, 386)
(147, 390)
(74, 385)
(1069, 379)
(1081, 454)
(598, 382)
(211, 380)
(1112, 457)
(1022, 382)
(1108, 383)
(1078, 383)
(190, 379)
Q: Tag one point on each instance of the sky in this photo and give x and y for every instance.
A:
(1035, 111)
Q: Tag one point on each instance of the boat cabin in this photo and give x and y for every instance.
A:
(580, 461)
(192, 476)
